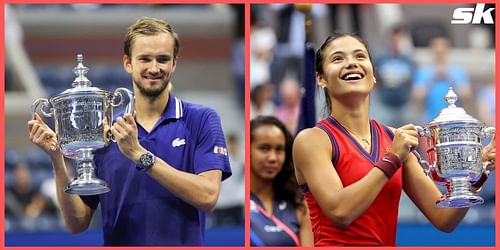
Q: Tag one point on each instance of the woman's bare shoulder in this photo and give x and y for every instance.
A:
(311, 139)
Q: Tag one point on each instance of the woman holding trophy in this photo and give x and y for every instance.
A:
(352, 169)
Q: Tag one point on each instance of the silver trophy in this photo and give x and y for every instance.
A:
(82, 118)
(454, 146)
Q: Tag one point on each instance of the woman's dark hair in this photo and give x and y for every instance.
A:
(320, 58)
(285, 185)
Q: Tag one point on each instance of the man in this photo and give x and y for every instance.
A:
(166, 166)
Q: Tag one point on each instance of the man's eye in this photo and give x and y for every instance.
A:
(163, 59)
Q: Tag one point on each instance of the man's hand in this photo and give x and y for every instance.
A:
(125, 132)
(44, 137)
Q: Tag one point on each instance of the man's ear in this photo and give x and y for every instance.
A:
(127, 64)
(174, 64)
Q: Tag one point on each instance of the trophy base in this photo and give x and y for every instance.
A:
(87, 187)
(459, 201)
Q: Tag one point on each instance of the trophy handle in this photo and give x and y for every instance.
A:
(422, 132)
(488, 132)
(423, 163)
(44, 104)
(129, 109)
(429, 169)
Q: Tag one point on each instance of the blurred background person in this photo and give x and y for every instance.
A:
(278, 215)
(485, 99)
(262, 43)
(394, 74)
(24, 202)
(432, 82)
(288, 57)
(261, 100)
(289, 109)
(355, 16)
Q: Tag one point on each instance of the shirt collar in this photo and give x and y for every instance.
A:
(174, 108)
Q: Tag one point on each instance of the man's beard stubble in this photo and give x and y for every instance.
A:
(153, 92)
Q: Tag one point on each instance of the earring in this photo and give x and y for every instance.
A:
(374, 80)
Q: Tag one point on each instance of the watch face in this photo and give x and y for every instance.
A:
(146, 160)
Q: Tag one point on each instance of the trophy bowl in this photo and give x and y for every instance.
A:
(454, 146)
(82, 118)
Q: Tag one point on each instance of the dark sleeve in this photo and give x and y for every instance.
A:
(90, 200)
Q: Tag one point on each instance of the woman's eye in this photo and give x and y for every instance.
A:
(363, 56)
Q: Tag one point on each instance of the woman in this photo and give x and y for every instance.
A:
(278, 214)
(353, 169)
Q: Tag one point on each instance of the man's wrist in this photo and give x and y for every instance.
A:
(146, 161)
(136, 155)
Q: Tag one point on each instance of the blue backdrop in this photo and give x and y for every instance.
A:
(408, 235)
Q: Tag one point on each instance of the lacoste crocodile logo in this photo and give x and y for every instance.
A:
(177, 142)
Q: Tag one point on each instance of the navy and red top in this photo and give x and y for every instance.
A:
(377, 225)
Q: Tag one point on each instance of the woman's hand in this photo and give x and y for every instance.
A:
(489, 153)
(405, 140)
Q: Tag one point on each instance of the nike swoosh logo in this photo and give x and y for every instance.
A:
(386, 160)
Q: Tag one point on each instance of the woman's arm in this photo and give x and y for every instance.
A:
(424, 193)
(312, 154)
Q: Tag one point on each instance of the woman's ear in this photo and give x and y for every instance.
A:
(320, 80)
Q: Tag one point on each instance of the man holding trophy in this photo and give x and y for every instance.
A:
(167, 160)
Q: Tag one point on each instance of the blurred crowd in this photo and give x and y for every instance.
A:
(407, 90)
(31, 199)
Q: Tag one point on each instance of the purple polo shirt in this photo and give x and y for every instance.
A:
(138, 210)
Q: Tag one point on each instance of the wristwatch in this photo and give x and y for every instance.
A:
(146, 161)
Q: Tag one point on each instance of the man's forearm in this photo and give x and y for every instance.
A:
(200, 191)
(76, 214)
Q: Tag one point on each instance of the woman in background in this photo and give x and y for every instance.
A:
(278, 215)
